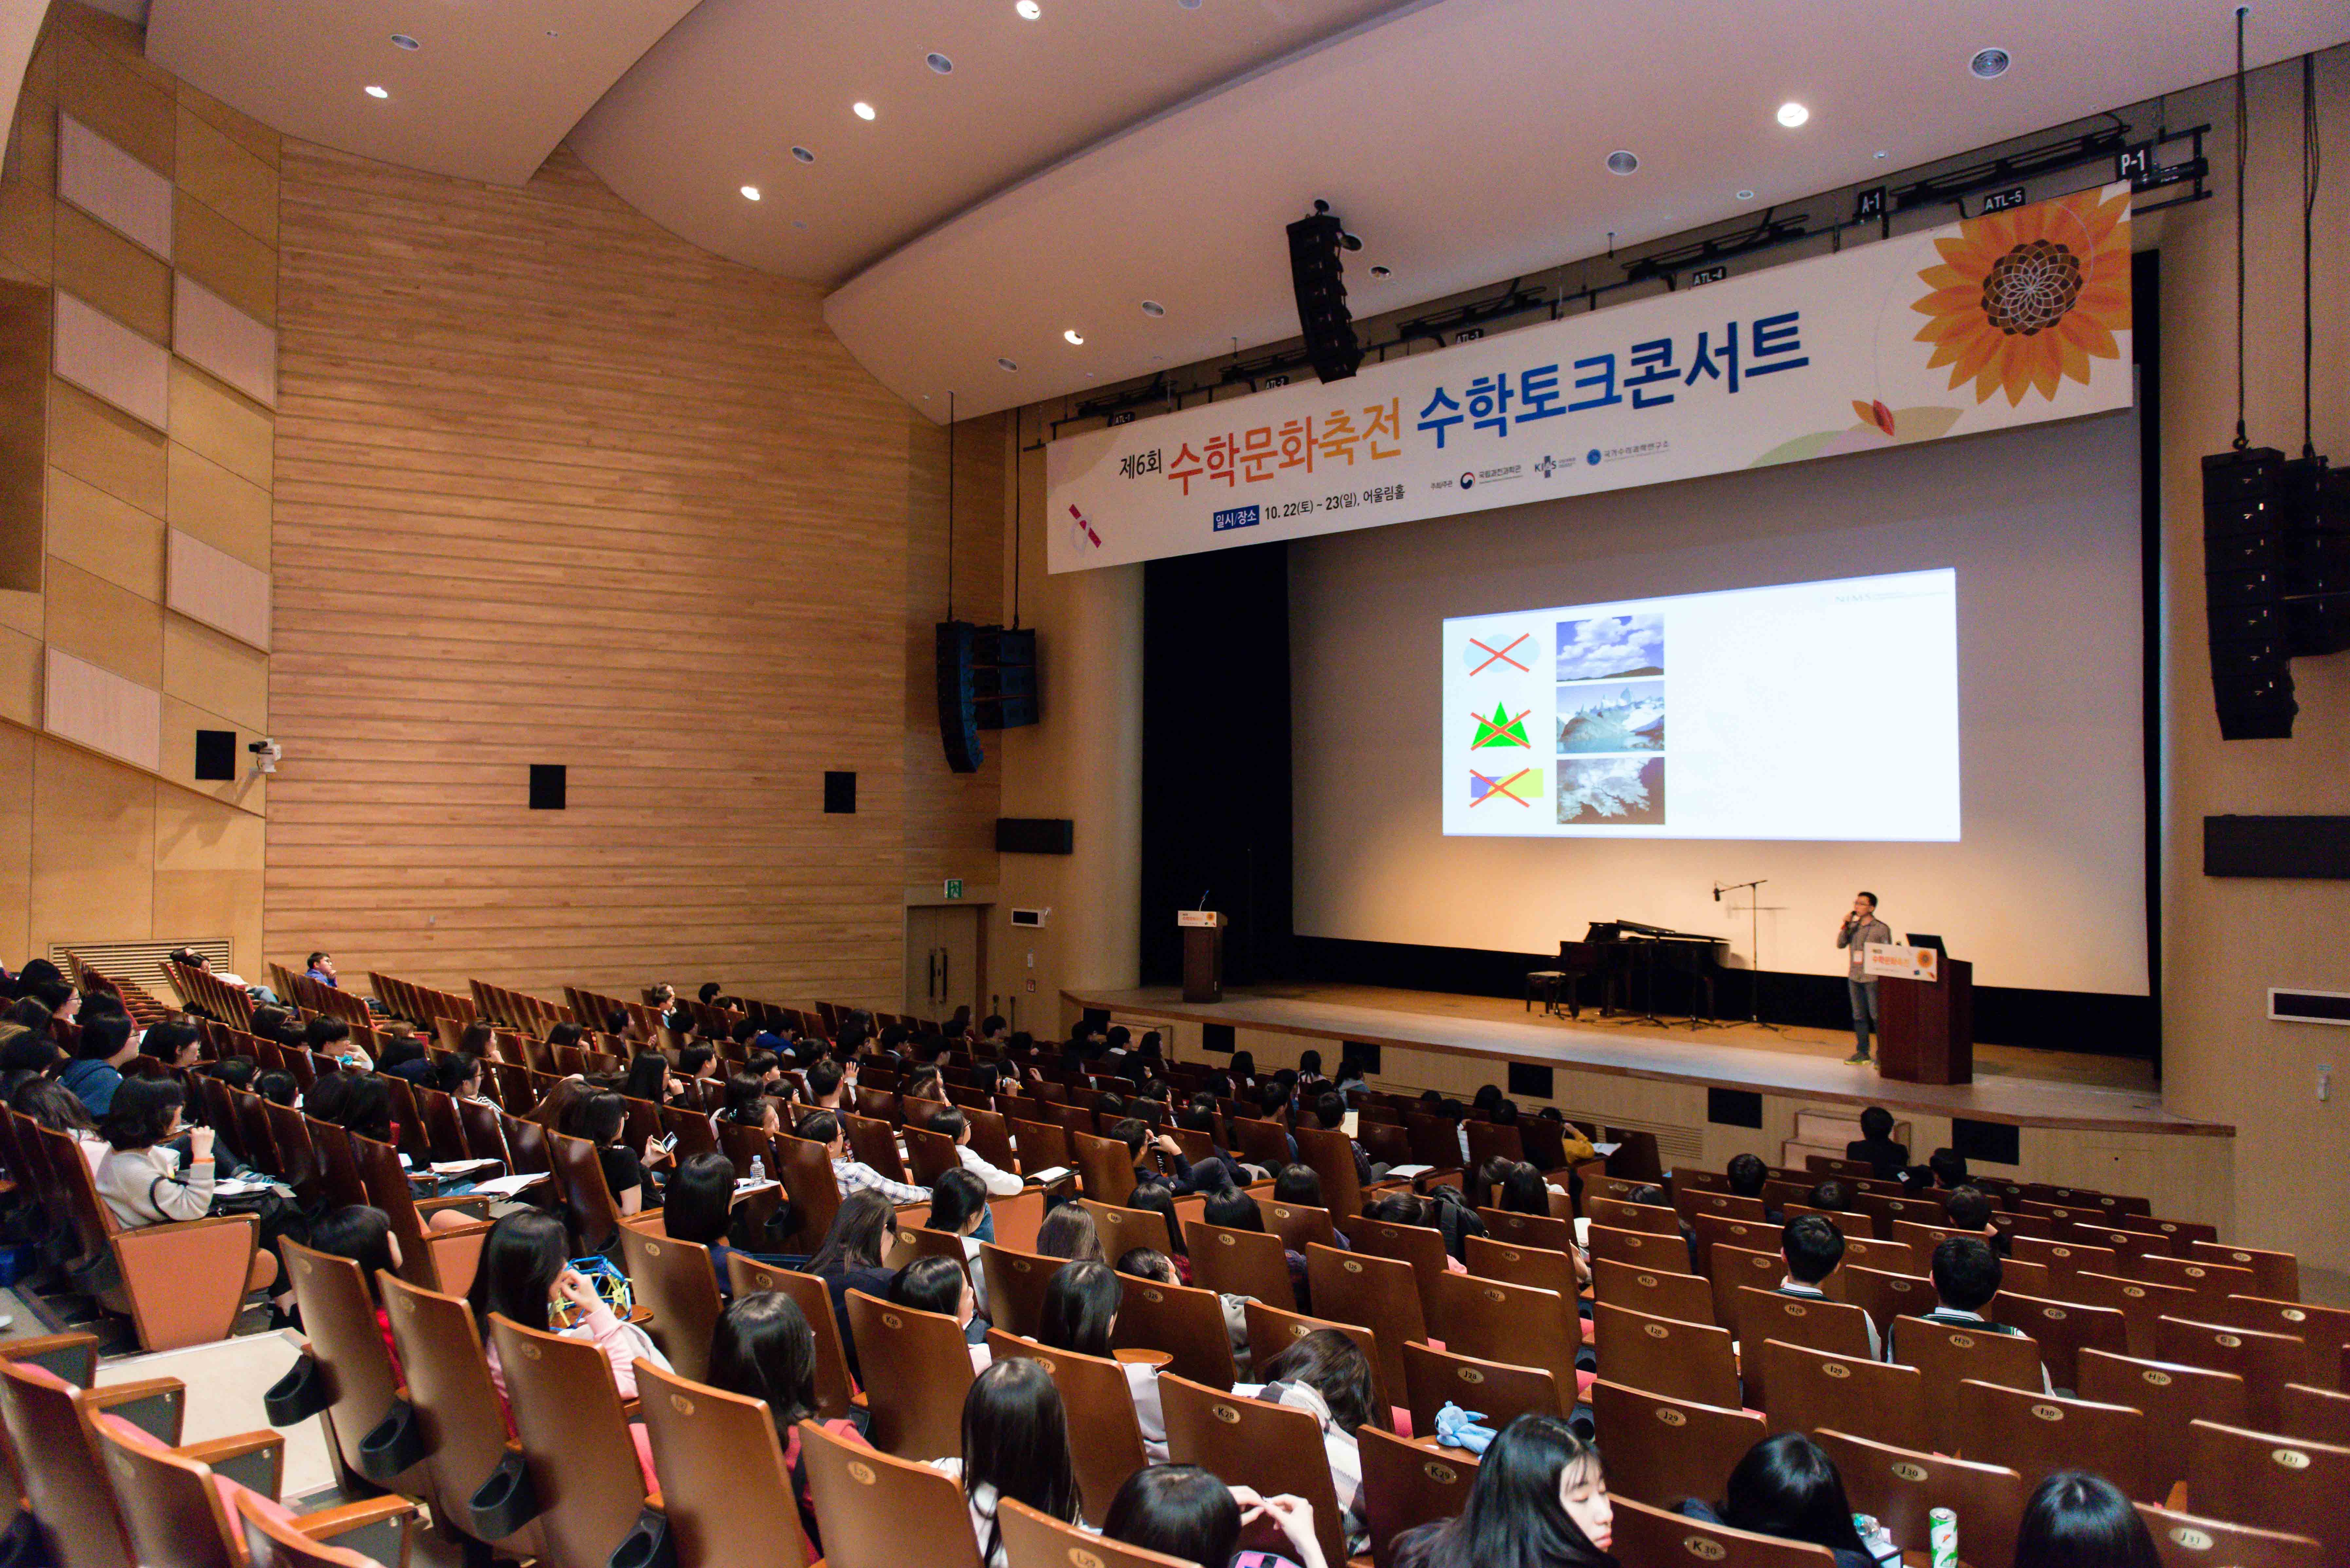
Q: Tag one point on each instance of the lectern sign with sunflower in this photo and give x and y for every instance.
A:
(2024, 299)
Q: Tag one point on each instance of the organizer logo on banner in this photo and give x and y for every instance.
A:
(2011, 318)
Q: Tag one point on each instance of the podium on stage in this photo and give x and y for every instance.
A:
(1204, 954)
(1925, 1014)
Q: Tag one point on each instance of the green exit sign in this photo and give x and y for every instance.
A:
(954, 887)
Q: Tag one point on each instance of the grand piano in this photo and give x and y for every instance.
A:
(1633, 963)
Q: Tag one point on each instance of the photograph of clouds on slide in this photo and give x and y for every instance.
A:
(1609, 646)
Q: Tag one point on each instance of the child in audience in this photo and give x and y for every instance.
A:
(1080, 1315)
(1787, 1486)
(1540, 1502)
(649, 1078)
(952, 1123)
(1325, 1375)
(764, 1349)
(1015, 1444)
(939, 1285)
(1876, 1145)
(171, 1043)
(850, 1260)
(277, 1087)
(1069, 1231)
(523, 1275)
(603, 1121)
(1966, 1276)
(364, 1236)
(105, 1048)
(1182, 1512)
(1410, 1209)
(1236, 1210)
(697, 1206)
(54, 1107)
(958, 1208)
(1812, 1247)
(26, 1055)
(853, 1174)
(747, 1104)
(1156, 1197)
(2080, 1520)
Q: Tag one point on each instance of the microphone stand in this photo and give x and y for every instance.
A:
(1754, 948)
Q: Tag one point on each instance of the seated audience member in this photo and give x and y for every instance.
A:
(853, 1174)
(62, 1000)
(1068, 1232)
(404, 1056)
(1272, 1105)
(236, 1072)
(850, 1259)
(1916, 1181)
(1242, 1069)
(364, 1236)
(332, 1037)
(189, 958)
(1949, 1168)
(1135, 1133)
(321, 968)
(1966, 1276)
(1184, 1512)
(1080, 1315)
(697, 1206)
(995, 1032)
(649, 1079)
(747, 1104)
(142, 1179)
(830, 1085)
(1325, 1375)
(26, 1055)
(1157, 1198)
(458, 1076)
(1015, 1444)
(171, 1043)
(523, 1275)
(32, 1014)
(1970, 1209)
(602, 1118)
(1747, 1173)
(764, 1349)
(1832, 1194)
(1351, 1070)
(952, 1123)
(1540, 1501)
(481, 1039)
(958, 1208)
(94, 1074)
(1236, 1210)
(1450, 1220)
(696, 1062)
(1812, 1247)
(1876, 1145)
(1787, 1488)
(53, 1105)
(939, 1285)
(2074, 1519)
(1300, 1187)
(277, 1087)
(1330, 1115)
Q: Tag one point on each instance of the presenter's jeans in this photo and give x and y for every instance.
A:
(1864, 1011)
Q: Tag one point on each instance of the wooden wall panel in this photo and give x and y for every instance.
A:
(113, 187)
(225, 329)
(554, 486)
(216, 588)
(96, 708)
(108, 360)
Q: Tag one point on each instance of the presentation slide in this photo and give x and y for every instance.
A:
(1720, 715)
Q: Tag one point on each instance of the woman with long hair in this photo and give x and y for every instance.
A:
(1182, 1510)
(697, 1206)
(1069, 1232)
(939, 1285)
(1787, 1486)
(1325, 1375)
(603, 1120)
(958, 1208)
(851, 1259)
(2076, 1520)
(1015, 1444)
(523, 1275)
(762, 1348)
(1518, 1187)
(649, 1079)
(1080, 1315)
(1540, 1502)
(59, 1109)
(363, 1235)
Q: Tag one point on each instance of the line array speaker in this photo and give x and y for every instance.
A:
(1314, 272)
(959, 696)
(2244, 552)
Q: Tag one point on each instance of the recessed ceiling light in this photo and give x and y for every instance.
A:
(1005, 365)
(1153, 309)
(1073, 335)
(1382, 273)
(1793, 114)
(1746, 195)
(1189, 5)
(1880, 153)
(402, 41)
(1028, 9)
(803, 154)
(1990, 65)
(799, 223)
(375, 91)
(863, 110)
(750, 192)
(937, 62)
(1623, 162)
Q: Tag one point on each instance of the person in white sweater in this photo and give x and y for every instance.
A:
(141, 1178)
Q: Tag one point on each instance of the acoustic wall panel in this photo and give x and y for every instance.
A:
(210, 332)
(113, 187)
(100, 710)
(108, 360)
(213, 586)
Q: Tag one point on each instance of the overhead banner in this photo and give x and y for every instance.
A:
(2011, 318)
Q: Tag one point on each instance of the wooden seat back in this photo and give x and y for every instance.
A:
(674, 1280)
(1420, 1246)
(2036, 1434)
(2266, 1362)
(1248, 1442)
(171, 1510)
(1655, 1220)
(917, 1373)
(339, 1318)
(1499, 1392)
(877, 1511)
(805, 1171)
(2276, 1275)
(2063, 1329)
(456, 1406)
(567, 1414)
(1947, 1355)
(54, 1451)
(1812, 1391)
(1123, 1230)
(1016, 1283)
(1186, 1323)
(1660, 1293)
(1299, 1225)
(2272, 1483)
(2185, 1540)
(1660, 1450)
(931, 1155)
(1662, 1355)
(1835, 1327)
(1378, 1293)
(1105, 1168)
(1239, 1262)
(1034, 1538)
(2141, 1302)
(1520, 1325)
(1332, 1155)
(1642, 1249)
(1655, 1535)
(2171, 1397)
(1735, 1268)
(747, 1276)
(724, 1489)
(1271, 1330)
(595, 1217)
(1542, 1231)
(270, 1542)
(1105, 1438)
(1900, 1486)
(1536, 1266)
(1406, 1485)
(2211, 1283)
(2325, 1330)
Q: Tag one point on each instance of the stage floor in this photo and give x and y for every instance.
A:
(2030, 1088)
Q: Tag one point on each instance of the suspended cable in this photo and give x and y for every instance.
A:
(2242, 134)
(2312, 166)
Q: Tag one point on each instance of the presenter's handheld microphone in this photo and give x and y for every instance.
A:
(1716, 892)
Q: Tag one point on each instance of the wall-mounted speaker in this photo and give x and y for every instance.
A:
(1034, 835)
(549, 786)
(840, 793)
(216, 756)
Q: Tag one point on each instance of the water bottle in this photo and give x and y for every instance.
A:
(758, 1169)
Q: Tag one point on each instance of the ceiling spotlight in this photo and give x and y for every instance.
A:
(1990, 65)
(1073, 335)
(1746, 195)
(1189, 5)
(937, 62)
(1793, 114)
(1382, 273)
(750, 192)
(1881, 154)
(864, 111)
(1005, 365)
(402, 41)
(1028, 9)
(803, 154)
(1623, 162)
(799, 223)
(375, 91)
(1153, 309)
(1349, 242)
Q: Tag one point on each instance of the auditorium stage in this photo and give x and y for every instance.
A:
(2044, 1089)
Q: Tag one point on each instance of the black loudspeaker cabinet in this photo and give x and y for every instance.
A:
(2245, 525)
(1317, 274)
(959, 695)
(2316, 557)
(1034, 835)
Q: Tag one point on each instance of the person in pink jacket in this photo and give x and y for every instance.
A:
(524, 1275)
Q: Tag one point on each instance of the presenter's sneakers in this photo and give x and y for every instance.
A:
(1860, 1059)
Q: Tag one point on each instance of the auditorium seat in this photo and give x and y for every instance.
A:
(1034, 1539)
(2211, 1282)
(1735, 1268)
(876, 1510)
(338, 1319)
(1660, 1293)
(1660, 1450)
(430, 1256)
(1420, 1246)
(1187, 1324)
(1678, 1360)
(2275, 1275)
(1527, 1230)
(2064, 1329)
(916, 1371)
(1655, 1535)
(724, 1488)
(2170, 1396)
(2266, 1362)
(1271, 1330)
(2186, 1541)
(1520, 1325)
(1946, 1356)
(747, 1276)
(1239, 1262)
(1811, 1390)
(1712, 1231)
(1379, 1294)
(176, 1513)
(1641, 1249)
(1105, 1438)
(1536, 1266)
(1407, 1484)
(2259, 1479)
(1016, 1283)
(1900, 1487)
(1499, 1392)
(1655, 1218)
(2036, 1434)
(674, 1281)
(1274, 1448)
(2141, 1302)
(575, 1439)
(2325, 1330)
(1122, 1230)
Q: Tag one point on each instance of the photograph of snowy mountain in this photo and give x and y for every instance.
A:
(1606, 646)
(1611, 716)
(1613, 792)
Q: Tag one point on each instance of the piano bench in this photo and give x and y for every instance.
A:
(1545, 983)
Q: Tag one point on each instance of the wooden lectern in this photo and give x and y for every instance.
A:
(1204, 954)
(1926, 1028)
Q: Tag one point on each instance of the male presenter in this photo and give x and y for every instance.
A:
(1861, 928)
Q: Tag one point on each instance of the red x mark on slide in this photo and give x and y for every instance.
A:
(1497, 787)
(1502, 654)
